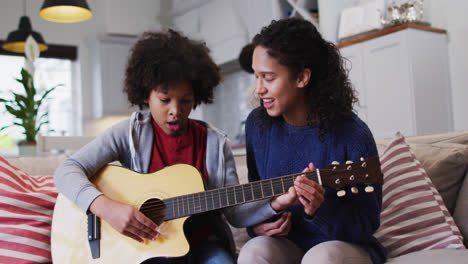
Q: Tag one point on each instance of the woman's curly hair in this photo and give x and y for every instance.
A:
(167, 58)
(297, 45)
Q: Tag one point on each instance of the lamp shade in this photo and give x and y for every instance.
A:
(65, 11)
(16, 39)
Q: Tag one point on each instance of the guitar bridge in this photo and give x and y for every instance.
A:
(94, 235)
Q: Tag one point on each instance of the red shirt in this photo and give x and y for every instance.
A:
(189, 148)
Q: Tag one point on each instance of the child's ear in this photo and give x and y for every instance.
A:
(303, 78)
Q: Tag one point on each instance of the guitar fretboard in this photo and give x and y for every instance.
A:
(201, 202)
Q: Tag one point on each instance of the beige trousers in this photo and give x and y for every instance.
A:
(276, 250)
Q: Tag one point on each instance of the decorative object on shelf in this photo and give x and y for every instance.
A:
(15, 41)
(360, 19)
(65, 11)
(25, 107)
(408, 12)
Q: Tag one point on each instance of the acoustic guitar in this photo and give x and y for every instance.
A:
(169, 197)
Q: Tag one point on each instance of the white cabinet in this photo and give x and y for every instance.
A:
(403, 81)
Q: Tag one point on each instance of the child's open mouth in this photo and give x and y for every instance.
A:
(174, 126)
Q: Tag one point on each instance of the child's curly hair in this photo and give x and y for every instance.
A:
(166, 58)
(297, 44)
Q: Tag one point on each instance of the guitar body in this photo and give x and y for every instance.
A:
(69, 241)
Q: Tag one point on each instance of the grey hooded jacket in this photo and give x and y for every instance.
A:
(130, 142)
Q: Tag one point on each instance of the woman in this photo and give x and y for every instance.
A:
(306, 120)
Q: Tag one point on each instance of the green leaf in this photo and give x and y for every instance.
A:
(39, 102)
(28, 84)
(43, 115)
(42, 123)
(20, 101)
(6, 127)
(16, 113)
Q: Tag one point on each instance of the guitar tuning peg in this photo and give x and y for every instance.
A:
(362, 159)
(354, 190)
(349, 162)
(369, 189)
(341, 193)
(335, 162)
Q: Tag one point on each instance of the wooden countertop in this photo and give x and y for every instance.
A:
(377, 33)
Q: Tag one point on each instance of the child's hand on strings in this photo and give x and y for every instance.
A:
(125, 219)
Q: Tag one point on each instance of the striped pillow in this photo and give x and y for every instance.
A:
(26, 206)
(414, 216)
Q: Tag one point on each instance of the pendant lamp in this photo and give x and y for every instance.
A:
(16, 39)
(65, 11)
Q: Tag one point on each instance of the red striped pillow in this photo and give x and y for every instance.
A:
(26, 206)
(414, 216)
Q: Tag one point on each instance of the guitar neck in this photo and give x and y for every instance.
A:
(201, 202)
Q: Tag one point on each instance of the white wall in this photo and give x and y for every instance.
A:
(448, 15)
(81, 34)
(451, 15)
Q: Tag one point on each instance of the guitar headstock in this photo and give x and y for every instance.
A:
(337, 176)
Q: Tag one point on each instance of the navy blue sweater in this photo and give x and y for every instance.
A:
(283, 149)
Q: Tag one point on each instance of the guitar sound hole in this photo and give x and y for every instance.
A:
(155, 210)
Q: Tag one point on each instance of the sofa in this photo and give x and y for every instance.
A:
(424, 217)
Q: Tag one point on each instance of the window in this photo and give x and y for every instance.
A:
(48, 73)
(229, 95)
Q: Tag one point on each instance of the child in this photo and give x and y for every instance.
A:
(169, 74)
(306, 115)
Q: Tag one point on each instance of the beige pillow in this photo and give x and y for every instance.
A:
(460, 215)
(459, 137)
(445, 164)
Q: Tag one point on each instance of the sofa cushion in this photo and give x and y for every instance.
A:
(460, 214)
(459, 137)
(445, 256)
(26, 207)
(445, 163)
(413, 216)
(38, 165)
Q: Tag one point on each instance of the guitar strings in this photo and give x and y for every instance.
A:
(186, 201)
(189, 199)
(239, 190)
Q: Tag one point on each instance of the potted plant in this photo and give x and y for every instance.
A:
(25, 106)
